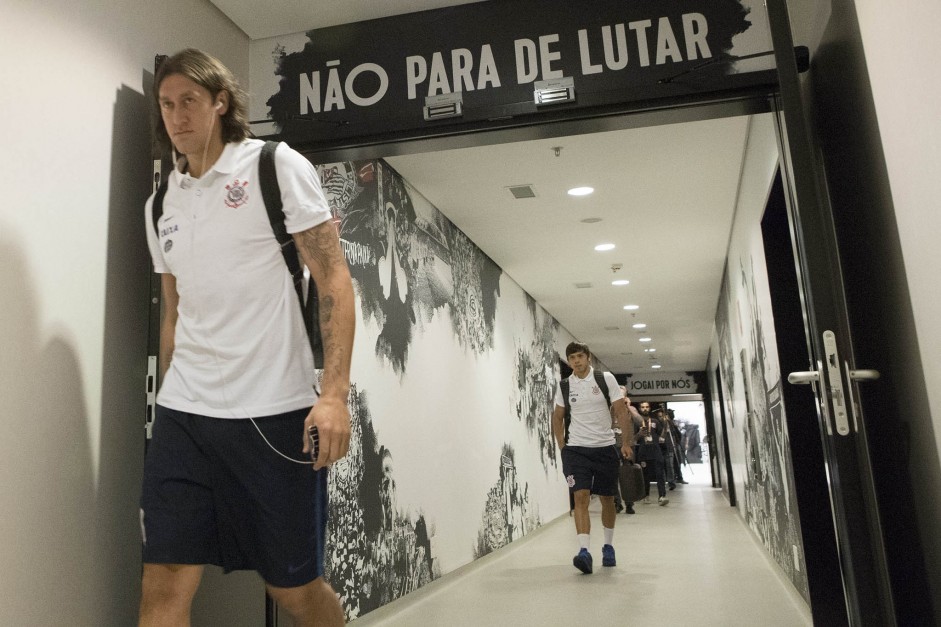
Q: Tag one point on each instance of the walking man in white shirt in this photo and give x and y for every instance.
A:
(228, 478)
(581, 422)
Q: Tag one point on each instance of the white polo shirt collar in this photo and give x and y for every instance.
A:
(589, 377)
(225, 164)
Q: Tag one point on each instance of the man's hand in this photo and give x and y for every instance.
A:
(332, 419)
(627, 451)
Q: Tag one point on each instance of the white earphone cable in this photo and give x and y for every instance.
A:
(216, 359)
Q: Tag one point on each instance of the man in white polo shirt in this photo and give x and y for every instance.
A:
(581, 422)
(228, 477)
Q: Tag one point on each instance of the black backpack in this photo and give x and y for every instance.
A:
(564, 385)
(271, 195)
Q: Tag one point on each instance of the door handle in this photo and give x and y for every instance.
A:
(859, 376)
(837, 396)
(813, 377)
(864, 375)
(803, 377)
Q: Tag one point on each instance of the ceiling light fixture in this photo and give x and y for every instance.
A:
(603, 247)
(581, 191)
(631, 307)
(655, 366)
(646, 339)
(640, 325)
(621, 282)
(650, 350)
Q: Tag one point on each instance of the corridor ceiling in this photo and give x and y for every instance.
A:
(665, 196)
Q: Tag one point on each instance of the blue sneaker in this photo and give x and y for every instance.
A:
(582, 561)
(607, 556)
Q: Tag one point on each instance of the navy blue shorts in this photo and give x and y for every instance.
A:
(594, 469)
(215, 493)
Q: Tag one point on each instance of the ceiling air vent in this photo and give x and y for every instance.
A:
(583, 286)
(522, 191)
(611, 328)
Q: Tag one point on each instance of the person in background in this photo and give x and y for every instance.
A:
(668, 447)
(679, 454)
(649, 453)
(628, 505)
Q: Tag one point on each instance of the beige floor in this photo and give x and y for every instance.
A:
(692, 562)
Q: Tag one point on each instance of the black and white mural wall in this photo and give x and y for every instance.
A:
(745, 352)
(454, 369)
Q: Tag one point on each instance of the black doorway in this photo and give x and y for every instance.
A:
(828, 604)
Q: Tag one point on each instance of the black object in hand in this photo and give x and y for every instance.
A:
(314, 436)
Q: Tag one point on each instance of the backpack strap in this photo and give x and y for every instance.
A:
(564, 386)
(156, 208)
(271, 195)
(600, 380)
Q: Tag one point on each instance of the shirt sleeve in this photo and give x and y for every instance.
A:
(614, 388)
(153, 242)
(305, 204)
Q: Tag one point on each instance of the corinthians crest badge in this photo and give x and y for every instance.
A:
(236, 195)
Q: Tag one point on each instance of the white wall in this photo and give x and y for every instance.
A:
(75, 157)
(901, 46)
(901, 53)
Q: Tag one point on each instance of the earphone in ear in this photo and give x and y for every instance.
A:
(218, 106)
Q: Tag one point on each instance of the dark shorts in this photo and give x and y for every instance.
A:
(215, 493)
(594, 469)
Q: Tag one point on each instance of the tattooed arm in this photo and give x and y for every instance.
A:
(320, 250)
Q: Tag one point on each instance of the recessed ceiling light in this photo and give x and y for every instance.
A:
(581, 191)
(604, 247)
(639, 325)
(655, 366)
(646, 339)
(631, 307)
(650, 350)
(621, 282)
(591, 220)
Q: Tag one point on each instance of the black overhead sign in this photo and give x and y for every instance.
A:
(372, 78)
